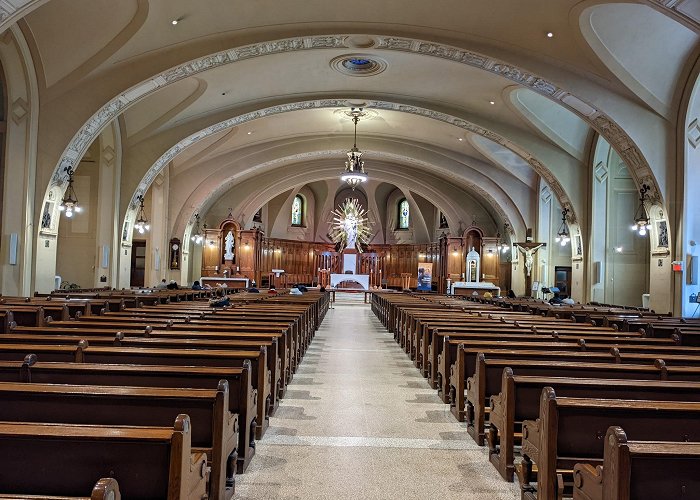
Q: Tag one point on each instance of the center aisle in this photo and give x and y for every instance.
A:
(358, 421)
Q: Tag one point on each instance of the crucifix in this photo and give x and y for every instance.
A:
(529, 249)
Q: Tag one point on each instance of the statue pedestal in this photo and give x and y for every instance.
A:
(349, 261)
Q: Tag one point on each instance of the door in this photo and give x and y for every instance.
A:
(562, 280)
(138, 263)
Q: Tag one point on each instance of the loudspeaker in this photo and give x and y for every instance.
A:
(14, 243)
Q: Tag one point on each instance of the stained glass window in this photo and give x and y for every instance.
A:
(297, 210)
(404, 214)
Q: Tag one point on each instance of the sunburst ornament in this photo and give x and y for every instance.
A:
(351, 226)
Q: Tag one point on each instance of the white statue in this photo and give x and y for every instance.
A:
(529, 256)
(228, 246)
(350, 226)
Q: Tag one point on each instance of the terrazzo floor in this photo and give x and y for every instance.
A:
(358, 421)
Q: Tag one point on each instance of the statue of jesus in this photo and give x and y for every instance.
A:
(529, 254)
(228, 246)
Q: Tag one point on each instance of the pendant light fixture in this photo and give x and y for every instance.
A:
(354, 173)
(197, 237)
(69, 203)
(642, 222)
(142, 224)
(563, 235)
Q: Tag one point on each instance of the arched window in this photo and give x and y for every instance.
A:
(297, 210)
(404, 214)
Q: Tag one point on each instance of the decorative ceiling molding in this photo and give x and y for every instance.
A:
(684, 11)
(171, 153)
(613, 133)
(13, 10)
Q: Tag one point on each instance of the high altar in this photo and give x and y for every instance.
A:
(252, 256)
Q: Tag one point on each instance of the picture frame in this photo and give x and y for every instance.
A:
(662, 233)
(659, 238)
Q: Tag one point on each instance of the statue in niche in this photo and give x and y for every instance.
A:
(228, 246)
(529, 256)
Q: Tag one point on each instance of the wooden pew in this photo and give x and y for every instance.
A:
(615, 346)
(105, 489)
(519, 400)
(148, 462)
(572, 430)
(442, 349)
(120, 340)
(115, 336)
(214, 427)
(639, 470)
(466, 389)
(262, 378)
(242, 397)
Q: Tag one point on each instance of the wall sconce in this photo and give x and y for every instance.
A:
(642, 223)
(211, 243)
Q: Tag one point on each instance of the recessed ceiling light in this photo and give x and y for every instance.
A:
(492, 102)
(550, 34)
(460, 139)
(175, 21)
(250, 133)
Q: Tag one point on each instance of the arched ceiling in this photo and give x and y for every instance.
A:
(500, 102)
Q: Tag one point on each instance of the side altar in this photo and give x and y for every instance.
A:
(473, 284)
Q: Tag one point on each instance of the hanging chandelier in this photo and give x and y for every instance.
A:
(142, 224)
(642, 222)
(69, 203)
(563, 235)
(197, 237)
(354, 173)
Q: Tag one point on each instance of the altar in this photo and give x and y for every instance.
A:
(354, 280)
(468, 288)
(216, 282)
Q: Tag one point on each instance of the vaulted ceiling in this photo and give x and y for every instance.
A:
(472, 95)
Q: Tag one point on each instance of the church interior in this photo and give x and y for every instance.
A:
(350, 249)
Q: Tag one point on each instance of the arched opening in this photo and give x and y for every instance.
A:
(619, 256)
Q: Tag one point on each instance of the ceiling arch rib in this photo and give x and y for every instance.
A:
(430, 189)
(214, 187)
(178, 148)
(601, 122)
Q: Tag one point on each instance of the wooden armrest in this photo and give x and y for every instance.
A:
(588, 482)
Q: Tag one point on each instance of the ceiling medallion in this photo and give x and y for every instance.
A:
(358, 65)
